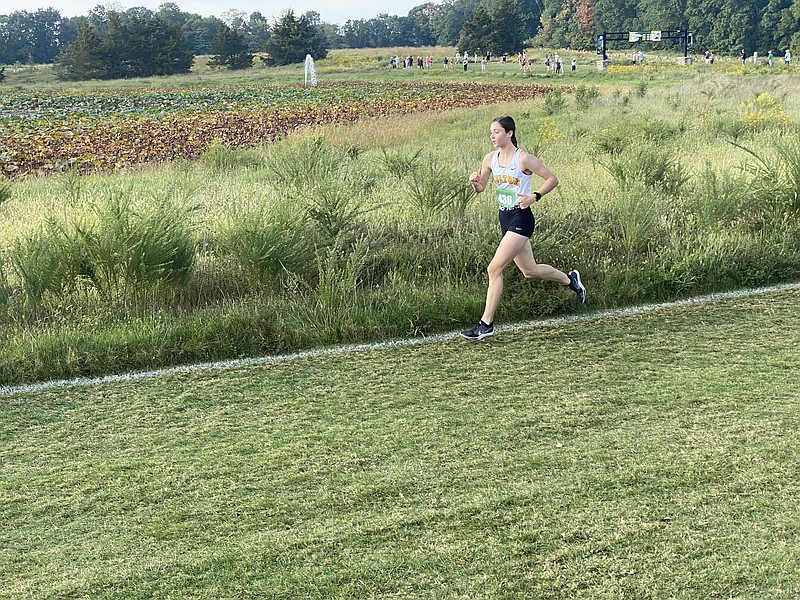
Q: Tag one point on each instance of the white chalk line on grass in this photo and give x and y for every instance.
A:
(226, 365)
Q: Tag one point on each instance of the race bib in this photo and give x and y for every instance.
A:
(506, 199)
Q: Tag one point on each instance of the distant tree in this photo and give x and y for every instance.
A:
(292, 38)
(169, 12)
(116, 43)
(137, 12)
(200, 33)
(234, 18)
(230, 49)
(333, 34)
(496, 30)
(141, 48)
(98, 17)
(732, 28)
(421, 30)
(358, 34)
(319, 41)
(2, 73)
(31, 36)
(155, 47)
(68, 31)
(573, 26)
(257, 32)
(478, 32)
(508, 21)
(84, 58)
(402, 31)
(532, 15)
(447, 23)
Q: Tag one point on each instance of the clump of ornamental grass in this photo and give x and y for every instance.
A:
(585, 95)
(654, 168)
(42, 264)
(297, 160)
(638, 213)
(123, 252)
(618, 137)
(268, 242)
(455, 251)
(716, 199)
(330, 301)
(219, 158)
(5, 191)
(129, 249)
(71, 183)
(437, 190)
(714, 260)
(400, 163)
(728, 128)
(5, 289)
(776, 174)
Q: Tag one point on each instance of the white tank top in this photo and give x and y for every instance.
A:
(510, 181)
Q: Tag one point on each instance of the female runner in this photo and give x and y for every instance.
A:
(511, 169)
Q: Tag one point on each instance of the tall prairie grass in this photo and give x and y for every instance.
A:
(371, 231)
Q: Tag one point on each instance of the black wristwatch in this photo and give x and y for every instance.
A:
(537, 195)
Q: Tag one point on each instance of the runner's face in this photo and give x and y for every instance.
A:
(499, 136)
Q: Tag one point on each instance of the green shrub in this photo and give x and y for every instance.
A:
(717, 199)
(585, 94)
(657, 169)
(554, 101)
(5, 191)
(129, 250)
(268, 242)
(639, 215)
(728, 128)
(296, 161)
(776, 175)
(400, 164)
(42, 264)
(437, 190)
(336, 205)
(221, 158)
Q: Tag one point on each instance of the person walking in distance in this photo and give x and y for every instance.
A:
(512, 171)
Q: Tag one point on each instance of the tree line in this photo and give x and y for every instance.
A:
(138, 41)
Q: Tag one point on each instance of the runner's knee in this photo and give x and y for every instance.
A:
(495, 270)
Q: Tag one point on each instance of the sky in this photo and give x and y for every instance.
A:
(331, 11)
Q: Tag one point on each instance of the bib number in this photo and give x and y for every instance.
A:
(506, 199)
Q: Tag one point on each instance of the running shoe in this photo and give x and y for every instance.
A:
(576, 286)
(480, 331)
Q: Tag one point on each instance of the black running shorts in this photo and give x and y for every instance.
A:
(517, 220)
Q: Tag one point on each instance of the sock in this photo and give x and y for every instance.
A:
(486, 324)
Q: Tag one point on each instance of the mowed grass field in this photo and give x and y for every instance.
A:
(650, 456)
